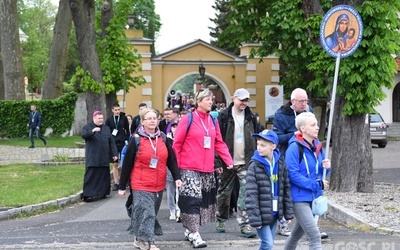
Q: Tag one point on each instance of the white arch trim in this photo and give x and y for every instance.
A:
(220, 83)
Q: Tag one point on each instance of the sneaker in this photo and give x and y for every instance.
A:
(220, 227)
(178, 219)
(142, 245)
(284, 231)
(115, 187)
(188, 235)
(32, 146)
(172, 217)
(135, 242)
(246, 232)
(198, 242)
(324, 235)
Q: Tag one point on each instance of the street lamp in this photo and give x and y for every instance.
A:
(131, 21)
(202, 70)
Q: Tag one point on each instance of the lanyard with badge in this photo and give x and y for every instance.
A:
(207, 138)
(154, 158)
(33, 116)
(273, 180)
(115, 131)
(240, 137)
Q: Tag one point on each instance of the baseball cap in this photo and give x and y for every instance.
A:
(268, 135)
(242, 94)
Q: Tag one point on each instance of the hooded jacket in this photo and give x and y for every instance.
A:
(305, 187)
(259, 194)
(189, 145)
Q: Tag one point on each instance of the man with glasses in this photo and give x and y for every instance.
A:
(284, 126)
(237, 123)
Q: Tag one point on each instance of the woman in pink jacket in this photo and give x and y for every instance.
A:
(196, 141)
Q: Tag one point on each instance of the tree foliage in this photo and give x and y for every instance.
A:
(119, 61)
(36, 21)
(290, 30)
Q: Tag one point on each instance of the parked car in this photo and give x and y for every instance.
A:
(378, 130)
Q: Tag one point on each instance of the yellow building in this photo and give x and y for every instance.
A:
(229, 71)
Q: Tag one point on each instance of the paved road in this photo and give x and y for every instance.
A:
(102, 225)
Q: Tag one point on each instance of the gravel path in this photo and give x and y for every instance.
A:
(380, 208)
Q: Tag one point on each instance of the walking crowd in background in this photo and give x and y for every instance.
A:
(211, 161)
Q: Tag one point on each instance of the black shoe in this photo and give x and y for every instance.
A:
(32, 146)
(115, 187)
(45, 142)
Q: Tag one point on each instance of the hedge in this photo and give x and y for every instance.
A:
(57, 114)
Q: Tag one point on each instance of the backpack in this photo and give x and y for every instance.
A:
(190, 116)
(129, 201)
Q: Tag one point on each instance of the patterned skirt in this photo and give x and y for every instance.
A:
(197, 199)
(144, 223)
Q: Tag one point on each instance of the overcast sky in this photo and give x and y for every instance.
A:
(182, 22)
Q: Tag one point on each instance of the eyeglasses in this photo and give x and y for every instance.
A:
(151, 119)
(302, 101)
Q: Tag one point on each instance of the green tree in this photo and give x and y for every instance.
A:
(37, 21)
(290, 30)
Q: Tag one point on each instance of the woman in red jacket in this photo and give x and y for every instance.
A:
(146, 168)
(195, 148)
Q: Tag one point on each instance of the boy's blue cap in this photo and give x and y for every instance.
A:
(268, 135)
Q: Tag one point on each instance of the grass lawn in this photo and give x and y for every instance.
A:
(26, 184)
(58, 142)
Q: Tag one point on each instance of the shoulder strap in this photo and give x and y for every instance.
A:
(301, 151)
(190, 120)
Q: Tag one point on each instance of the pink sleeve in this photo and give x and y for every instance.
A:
(222, 148)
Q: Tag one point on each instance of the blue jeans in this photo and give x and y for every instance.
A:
(267, 236)
(35, 131)
(305, 223)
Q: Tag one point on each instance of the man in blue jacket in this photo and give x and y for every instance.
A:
(34, 124)
(284, 126)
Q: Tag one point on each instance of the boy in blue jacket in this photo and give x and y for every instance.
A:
(268, 196)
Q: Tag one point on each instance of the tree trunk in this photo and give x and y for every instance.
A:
(106, 15)
(53, 85)
(352, 162)
(11, 51)
(83, 15)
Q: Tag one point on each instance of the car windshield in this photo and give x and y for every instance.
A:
(375, 118)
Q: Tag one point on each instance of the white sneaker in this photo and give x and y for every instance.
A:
(324, 235)
(188, 235)
(198, 242)
(172, 217)
(284, 231)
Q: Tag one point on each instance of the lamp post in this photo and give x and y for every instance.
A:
(131, 21)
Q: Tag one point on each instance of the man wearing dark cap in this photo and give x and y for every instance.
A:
(237, 123)
(100, 148)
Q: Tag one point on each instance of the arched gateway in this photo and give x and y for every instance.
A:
(229, 71)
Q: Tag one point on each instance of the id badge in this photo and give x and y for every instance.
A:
(275, 204)
(115, 132)
(33, 119)
(207, 142)
(239, 138)
(153, 162)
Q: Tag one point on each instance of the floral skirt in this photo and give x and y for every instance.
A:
(197, 199)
